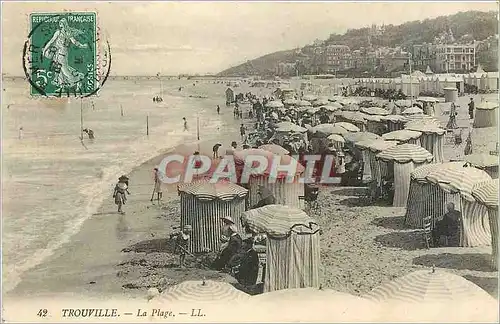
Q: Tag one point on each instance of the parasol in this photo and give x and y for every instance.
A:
(375, 111)
(202, 291)
(360, 136)
(402, 135)
(328, 129)
(486, 193)
(275, 149)
(413, 111)
(348, 126)
(405, 153)
(274, 104)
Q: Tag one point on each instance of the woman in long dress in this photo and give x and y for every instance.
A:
(452, 122)
(57, 50)
(120, 193)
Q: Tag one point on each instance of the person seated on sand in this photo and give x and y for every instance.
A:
(89, 132)
(216, 150)
(266, 197)
(120, 193)
(245, 264)
(448, 227)
(233, 245)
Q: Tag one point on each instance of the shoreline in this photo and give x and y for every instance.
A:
(76, 268)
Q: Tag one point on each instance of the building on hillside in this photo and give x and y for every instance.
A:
(286, 69)
(455, 57)
(423, 56)
(337, 58)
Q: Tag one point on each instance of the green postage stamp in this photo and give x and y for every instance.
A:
(62, 54)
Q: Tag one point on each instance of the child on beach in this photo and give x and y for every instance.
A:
(119, 194)
(216, 150)
(242, 131)
(182, 243)
(157, 187)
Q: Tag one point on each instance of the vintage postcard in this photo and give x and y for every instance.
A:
(177, 161)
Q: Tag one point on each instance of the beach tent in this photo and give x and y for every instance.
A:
(432, 139)
(284, 183)
(303, 103)
(202, 291)
(428, 286)
(229, 95)
(348, 126)
(309, 97)
(421, 119)
(486, 193)
(486, 114)
(338, 141)
(275, 149)
(320, 102)
(404, 158)
(353, 117)
(293, 246)
(274, 104)
(202, 206)
(375, 111)
(403, 136)
(393, 122)
(378, 169)
(290, 102)
(375, 124)
(457, 184)
(284, 129)
(325, 130)
(353, 138)
(483, 161)
(412, 111)
(423, 197)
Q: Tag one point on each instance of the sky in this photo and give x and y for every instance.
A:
(208, 37)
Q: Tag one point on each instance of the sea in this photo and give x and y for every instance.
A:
(52, 183)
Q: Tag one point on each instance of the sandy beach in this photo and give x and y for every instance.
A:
(362, 245)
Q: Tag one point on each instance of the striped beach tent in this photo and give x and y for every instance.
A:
(486, 193)
(486, 115)
(405, 158)
(393, 122)
(353, 138)
(483, 161)
(412, 111)
(432, 139)
(202, 206)
(427, 286)
(378, 169)
(324, 130)
(293, 246)
(375, 124)
(354, 117)
(403, 136)
(457, 183)
(421, 119)
(284, 183)
(202, 291)
(423, 197)
(375, 111)
(275, 149)
(348, 127)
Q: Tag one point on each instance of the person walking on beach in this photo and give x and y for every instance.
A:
(119, 194)
(157, 187)
(234, 145)
(185, 124)
(242, 131)
(235, 112)
(21, 132)
(218, 110)
(471, 108)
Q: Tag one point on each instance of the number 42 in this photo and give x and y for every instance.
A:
(42, 313)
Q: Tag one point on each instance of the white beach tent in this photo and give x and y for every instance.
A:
(285, 186)
(405, 158)
(202, 206)
(457, 184)
(404, 136)
(353, 138)
(394, 122)
(422, 193)
(486, 114)
(432, 139)
(293, 246)
(378, 169)
(486, 193)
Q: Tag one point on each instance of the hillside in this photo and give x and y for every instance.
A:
(473, 25)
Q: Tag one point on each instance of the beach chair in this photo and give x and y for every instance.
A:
(427, 231)
(310, 197)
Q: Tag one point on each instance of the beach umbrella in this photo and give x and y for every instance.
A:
(320, 102)
(306, 294)
(421, 119)
(428, 286)
(336, 98)
(373, 118)
(406, 153)
(279, 221)
(403, 103)
(348, 126)
(337, 138)
(482, 160)
(360, 136)
(313, 110)
(413, 111)
(329, 108)
(393, 118)
(354, 116)
(274, 148)
(289, 127)
(303, 103)
(332, 106)
(290, 101)
(375, 111)
(486, 193)
(350, 107)
(274, 104)
(403, 135)
(377, 145)
(425, 128)
(427, 99)
(309, 97)
(328, 129)
(202, 291)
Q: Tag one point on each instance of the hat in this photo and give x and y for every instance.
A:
(227, 219)
(188, 227)
(123, 177)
